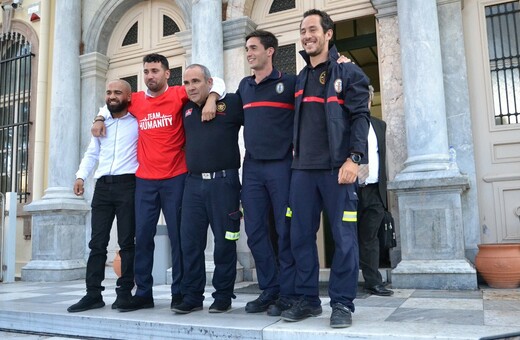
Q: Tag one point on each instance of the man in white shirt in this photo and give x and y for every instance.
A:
(372, 204)
(116, 157)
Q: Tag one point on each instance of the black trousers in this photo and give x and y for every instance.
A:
(370, 214)
(113, 197)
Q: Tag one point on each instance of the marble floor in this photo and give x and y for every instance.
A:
(30, 310)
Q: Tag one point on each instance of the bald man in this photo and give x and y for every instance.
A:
(116, 157)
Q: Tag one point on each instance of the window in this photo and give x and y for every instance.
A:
(285, 59)
(169, 26)
(132, 80)
(503, 30)
(281, 5)
(15, 99)
(131, 35)
(175, 76)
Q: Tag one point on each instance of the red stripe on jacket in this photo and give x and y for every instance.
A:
(269, 104)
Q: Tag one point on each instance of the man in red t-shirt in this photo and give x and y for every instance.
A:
(161, 172)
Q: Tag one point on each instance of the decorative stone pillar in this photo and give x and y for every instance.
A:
(235, 31)
(391, 85)
(458, 114)
(207, 42)
(206, 48)
(184, 38)
(58, 219)
(94, 67)
(428, 189)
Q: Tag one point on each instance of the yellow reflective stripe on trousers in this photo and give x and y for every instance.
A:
(350, 216)
(288, 213)
(232, 236)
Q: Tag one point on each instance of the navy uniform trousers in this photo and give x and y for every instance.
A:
(266, 183)
(213, 201)
(311, 191)
(113, 196)
(150, 197)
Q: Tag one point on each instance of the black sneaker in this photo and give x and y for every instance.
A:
(220, 306)
(301, 309)
(176, 300)
(341, 316)
(281, 304)
(87, 302)
(186, 308)
(121, 299)
(135, 303)
(262, 303)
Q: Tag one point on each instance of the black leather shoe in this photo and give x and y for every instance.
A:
(87, 302)
(186, 308)
(135, 303)
(262, 303)
(379, 290)
(301, 309)
(176, 300)
(281, 305)
(341, 316)
(121, 299)
(220, 306)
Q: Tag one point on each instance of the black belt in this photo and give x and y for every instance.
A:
(117, 178)
(367, 185)
(209, 175)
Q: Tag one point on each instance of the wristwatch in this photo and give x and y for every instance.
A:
(355, 157)
(98, 119)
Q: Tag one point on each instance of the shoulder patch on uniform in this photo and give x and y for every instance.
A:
(188, 112)
(323, 77)
(338, 85)
(221, 107)
(279, 88)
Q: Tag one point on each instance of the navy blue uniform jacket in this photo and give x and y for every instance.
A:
(346, 108)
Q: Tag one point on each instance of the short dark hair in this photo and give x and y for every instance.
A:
(204, 69)
(325, 20)
(156, 58)
(267, 39)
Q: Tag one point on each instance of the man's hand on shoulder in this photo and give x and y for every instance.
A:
(343, 60)
(209, 110)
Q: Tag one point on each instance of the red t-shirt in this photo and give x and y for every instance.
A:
(161, 139)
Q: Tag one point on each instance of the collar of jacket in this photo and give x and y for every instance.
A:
(333, 54)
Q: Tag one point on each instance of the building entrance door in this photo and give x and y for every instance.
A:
(494, 82)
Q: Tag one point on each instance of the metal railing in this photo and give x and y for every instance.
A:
(15, 102)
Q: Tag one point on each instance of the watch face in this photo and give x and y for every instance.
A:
(355, 158)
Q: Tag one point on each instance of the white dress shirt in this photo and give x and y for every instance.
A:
(373, 157)
(115, 153)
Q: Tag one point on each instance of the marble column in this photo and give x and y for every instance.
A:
(391, 87)
(207, 39)
(428, 189)
(58, 218)
(206, 47)
(235, 31)
(423, 86)
(458, 114)
(94, 67)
